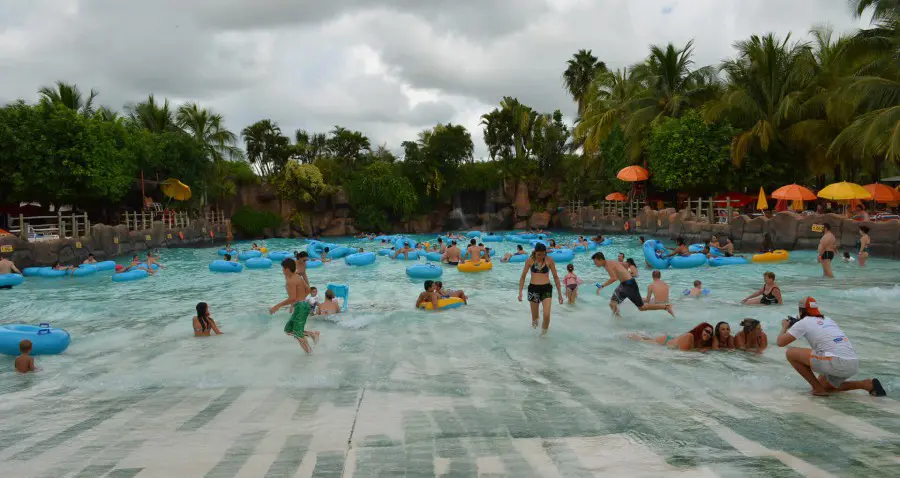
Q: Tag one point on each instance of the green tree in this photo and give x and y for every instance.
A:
(348, 147)
(379, 196)
(208, 128)
(267, 148)
(582, 68)
(152, 116)
(69, 96)
(434, 158)
(688, 154)
(301, 183)
(310, 146)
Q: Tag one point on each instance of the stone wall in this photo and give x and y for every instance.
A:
(107, 242)
(788, 230)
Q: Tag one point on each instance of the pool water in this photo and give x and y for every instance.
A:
(392, 391)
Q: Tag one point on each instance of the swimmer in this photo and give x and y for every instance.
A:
(297, 290)
(728, 248)
(621, 258)
(228, 248)
(474, 252)
(751, 338)
(254, 247)
(313, 299)
(827, 249)
(151, 260)
(430, 295)
(59, 267)
(598, 238)
(7, 266)
(487, 254)
(405, 250)
(627, 289)
(360, 250)
(540, 291)
(768, 244)
(324, 256)
(681, 249)
(519, 251)
(862, 245)
(631, 266)
(552, 245)
(25, 362)
(452, 256)
(228, 258)
(204, 323)
(581, 242)
(770, 294)
(641, 239)
(722, 338)
(440, 247)
(699, 339)
(300, 259)
(90, 259)
(330, 306)
(848, 259)
(571, 281)
(657, 291)
(697, 290)
(446, 294)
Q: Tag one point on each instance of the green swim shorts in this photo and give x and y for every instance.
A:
(297, 322)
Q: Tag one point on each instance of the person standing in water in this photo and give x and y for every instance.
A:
(862, 246)
(297, 290)
(540, 291)
(827, 250)
(627, 289)
(204, 323)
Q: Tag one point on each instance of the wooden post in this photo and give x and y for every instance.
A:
(87, 226)
(712, 217)
(23, 231)
(60, 225)
(143, 220)
(728, 211)
(699, 207)
(74, 225)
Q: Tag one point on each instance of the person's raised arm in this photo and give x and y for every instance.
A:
(785, 338)
(556, 279)
(528, 263)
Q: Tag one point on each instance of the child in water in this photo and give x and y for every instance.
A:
(25, 362)
(571, 282)
(313, 299)
(847, 258)
(697, 291)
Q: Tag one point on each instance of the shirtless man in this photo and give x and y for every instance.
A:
(430, 295)
(474, 252)
(681, 249)
(446, 294)
(7, 266)
(452, 256)
(300, 259)
(728, 248)
(628, 287)
(297, 290)
(440, 247)
(658, 290)
(827, 250)
(90, 259)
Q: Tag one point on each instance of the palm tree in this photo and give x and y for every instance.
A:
(267, 148)
(69, 96)
(207, 128)
(152, 116)
(106, 114)
(310, 146)
(583, 68)
(607, 98)
(769, 81)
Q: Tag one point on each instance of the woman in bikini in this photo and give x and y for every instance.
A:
(540, 291)
(862, 245)
(632, 267)
(770, 294)
(751, 338)
(203, 323)
(722, 338)
(699, 339)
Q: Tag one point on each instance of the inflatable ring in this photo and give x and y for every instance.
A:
(562, 255)
(473, 234)
(360, 259)
(780, 255)
(727, 261)
(11, 280)
(412, 255)
(469, 266)
(713, 251)
(687, 262)
(656, 262)
(448, 303)
(703, 292)
(217, 266)
(259, 263)
(44, 339)
(515, 258)
(492, 238)
(278, 256)
(131, 275)
(434, 256)
(606, 241)
(399, 243)
(84, 270)
(386, 252)
(580, 247)
(105, 266)
(249, 255)
(339, 252)
(222, 252)
(493, 253)
(424, 271)
(314, 263)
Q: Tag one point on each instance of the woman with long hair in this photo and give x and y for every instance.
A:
(862, 246)
(540, 291)
(751, 337)
(722, 338)
(699, 339)
(204, 323)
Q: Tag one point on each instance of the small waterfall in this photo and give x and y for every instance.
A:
(457, 213)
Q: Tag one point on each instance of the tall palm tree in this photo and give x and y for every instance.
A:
(768, 82)
(208, 129)
(607, 99)
(582, 68)
(106, 114)
(267, 148)
(70, 96)
(310, 146)
(149, 115)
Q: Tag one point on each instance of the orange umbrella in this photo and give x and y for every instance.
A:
(794, 192)
(633, 174)
(616, 197)
(882, 192)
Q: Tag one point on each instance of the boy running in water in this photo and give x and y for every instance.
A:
(297, 290)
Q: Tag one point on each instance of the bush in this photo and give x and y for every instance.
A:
(380, 194)
(688, 154)
(253, 223)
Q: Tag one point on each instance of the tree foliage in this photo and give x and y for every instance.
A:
(301, 183)
(380, 194)
(688, 154)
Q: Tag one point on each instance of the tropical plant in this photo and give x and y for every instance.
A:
(435, 157)
(688, 154)
(380, 195)
(69, 96)
(348, 147)
(310, 146)
(582, 68)
(301, 183)
(208, 128)
(150, 115)
(254, 223)
(267, 149)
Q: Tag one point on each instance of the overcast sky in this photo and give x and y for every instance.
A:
(389, 68)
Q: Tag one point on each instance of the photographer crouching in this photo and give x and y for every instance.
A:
(831, 356)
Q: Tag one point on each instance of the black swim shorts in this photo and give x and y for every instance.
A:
(628, 290)
(538, 293)
(828, 255)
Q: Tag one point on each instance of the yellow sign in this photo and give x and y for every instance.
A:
(168, 236)
(115, 240)
(6, 248)
(818, 228)
(77, 245)
(637, 223)
(147, 237)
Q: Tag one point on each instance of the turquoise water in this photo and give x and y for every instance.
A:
(467, 391)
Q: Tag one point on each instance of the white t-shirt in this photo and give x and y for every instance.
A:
(313, 301)
(824, 336)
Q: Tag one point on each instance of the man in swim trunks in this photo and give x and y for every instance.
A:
(297, 290)
(658, 290)
(831, 354)
(441, 247)
(405, 250)
(827, 250)
(681, 249)
(430, 295)
(7, 266)
(452, 256)
(474, 252)
(728, 248)
(627, 289)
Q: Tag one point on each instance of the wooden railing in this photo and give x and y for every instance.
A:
(36, 228)
(138, 221)
(713, 211)
(625, 209)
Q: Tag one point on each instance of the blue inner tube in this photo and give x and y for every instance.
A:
(222, 252)
(51, 272)
(580, 247)
(492, 238)
(650, 248)
(727, 261)
(424, 271)
(404, 240)
(518, 258)
(687, 262)
(699, 248)
(529, 236)
(223, 266)
(31, 271)
(339, 252)
(316, 248)
(434, 256)
(703, 291)
(131, 275)
(11, 280)
(44, 339)
(313, 263)
(85, 270)
(249, 255)
(259, 263)
(410, 256)
(144, 265)
(385, 252)
(535, 242)
(360, 259)
(278, 256)
(106, 266)
(606, 241)
(473, 234)
(562, 255)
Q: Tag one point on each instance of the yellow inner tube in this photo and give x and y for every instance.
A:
(442, 303)
(775, 256)
(469, 266)
(263, 250)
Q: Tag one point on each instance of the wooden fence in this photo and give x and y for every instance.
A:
(37, 228)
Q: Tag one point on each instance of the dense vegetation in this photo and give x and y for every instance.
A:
(779, 111)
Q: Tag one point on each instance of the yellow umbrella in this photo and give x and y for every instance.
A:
(176, 189)
(762, 204)
(844, 191)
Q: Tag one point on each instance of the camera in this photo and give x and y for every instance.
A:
(792, 320)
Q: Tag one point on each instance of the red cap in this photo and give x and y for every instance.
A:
(119, 267)
(811, 306)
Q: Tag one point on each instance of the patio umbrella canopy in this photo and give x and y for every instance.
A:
(633, 174)
(844, 191)
(176, 189)
(794, 192)
(882, 193)
(616, 197)
(762, 204)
